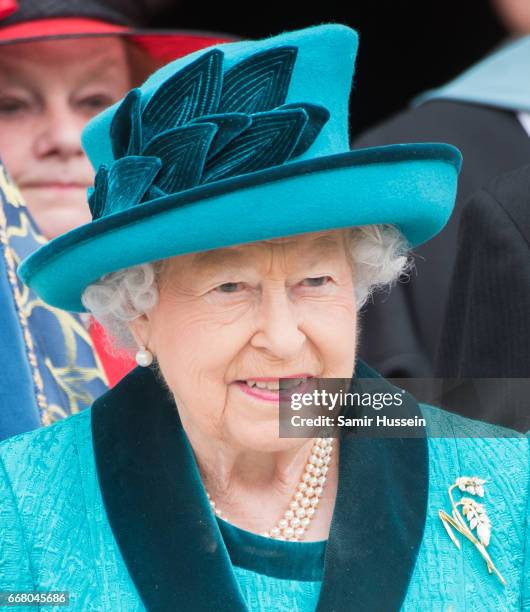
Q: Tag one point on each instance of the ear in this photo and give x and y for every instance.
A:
(140, 329)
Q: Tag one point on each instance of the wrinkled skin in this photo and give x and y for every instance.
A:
(268, 310)
(48, 91)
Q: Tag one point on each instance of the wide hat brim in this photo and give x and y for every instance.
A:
(411, 186)
(162, 45)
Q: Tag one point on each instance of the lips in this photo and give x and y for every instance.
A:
(271, 389)
(56, 185)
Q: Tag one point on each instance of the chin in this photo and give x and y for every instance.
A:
(261, 437)
(57, 211)
(62, 222)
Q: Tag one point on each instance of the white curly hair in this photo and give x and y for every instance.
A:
(379, 257)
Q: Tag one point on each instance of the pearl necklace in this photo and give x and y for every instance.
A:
(304, 503)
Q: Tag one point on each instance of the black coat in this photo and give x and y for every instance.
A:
(401, 331)
(487, 325)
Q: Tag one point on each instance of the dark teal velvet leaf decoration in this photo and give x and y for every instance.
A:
(258, 83)
(229, 126)
(182, 152)
(153, 193)
(269, 141)
(128, 180)
(98, 197)
(202, 126)
(318, 116)
(126, 127)
(192, 92)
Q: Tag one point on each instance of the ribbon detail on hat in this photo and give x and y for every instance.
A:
(8, 7)
(204, 125)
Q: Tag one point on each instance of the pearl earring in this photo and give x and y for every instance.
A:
(144, 357)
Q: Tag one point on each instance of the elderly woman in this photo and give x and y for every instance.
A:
(234, 238)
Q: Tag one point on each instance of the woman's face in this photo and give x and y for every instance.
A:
(48, 91)
(258, 312)
(515, 14)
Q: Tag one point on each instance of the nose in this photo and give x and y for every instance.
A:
(59, 132)
(278, 330)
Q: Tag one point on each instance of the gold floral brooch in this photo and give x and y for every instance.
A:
(476, 519)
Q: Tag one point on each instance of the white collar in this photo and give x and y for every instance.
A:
(524, 118)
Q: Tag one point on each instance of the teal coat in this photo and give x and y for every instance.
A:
(108, 505)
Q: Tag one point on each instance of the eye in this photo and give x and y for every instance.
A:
(316, 281)
(230, 287)
(12, 106)
(96, 102)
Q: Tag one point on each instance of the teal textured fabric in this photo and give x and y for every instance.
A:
(268, 594)
(526, 569)
(54, 532)
(275, 576)
(459, 580)
(248, 136)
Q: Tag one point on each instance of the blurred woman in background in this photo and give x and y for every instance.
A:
(60, 64)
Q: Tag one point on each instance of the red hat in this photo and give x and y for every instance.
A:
(30, 21)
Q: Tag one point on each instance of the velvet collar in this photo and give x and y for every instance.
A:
(170, 540)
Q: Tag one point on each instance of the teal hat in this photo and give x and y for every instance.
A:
(237, 143)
